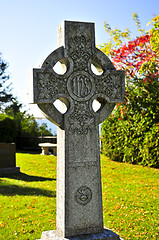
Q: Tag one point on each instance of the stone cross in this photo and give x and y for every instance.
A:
(79, 194)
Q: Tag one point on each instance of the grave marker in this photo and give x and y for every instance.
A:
(8, 159)
(79, 193)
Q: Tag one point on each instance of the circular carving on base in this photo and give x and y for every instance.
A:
(80, 86)
(83, 195)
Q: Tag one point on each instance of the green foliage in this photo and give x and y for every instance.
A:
(133, 139)
(131, 133)
(17, 123)
(26, 122)
(117, 38)
(8, 128)
(28, 200)
(29, 126)
(5, 95)
(13, 121)
(138, 24)
(44, 131)
(155, 34)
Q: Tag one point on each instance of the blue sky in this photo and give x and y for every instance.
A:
(28, 31)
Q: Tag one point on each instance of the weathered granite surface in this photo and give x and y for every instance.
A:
(7, 155)
(79, 193)
(9, 171)
(106, 235)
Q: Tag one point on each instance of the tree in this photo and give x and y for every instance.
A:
(27, 125)
(5, 90)
(14, 108)
(131, 133)
(44, 131)
(8, 128)
(13, 120)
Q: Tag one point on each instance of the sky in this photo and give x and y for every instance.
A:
(28, 30)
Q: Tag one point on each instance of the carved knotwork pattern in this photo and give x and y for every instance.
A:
(80, 60)
(81, 120)
(79, 43)
(80, 52)
(110, 86)
(48, 86)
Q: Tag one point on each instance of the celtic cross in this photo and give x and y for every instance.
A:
(79, 194)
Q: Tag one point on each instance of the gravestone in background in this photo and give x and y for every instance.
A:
(79, 194)
(8, 159)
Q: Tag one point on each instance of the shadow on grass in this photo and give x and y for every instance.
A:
(12, 190)
(28, 178)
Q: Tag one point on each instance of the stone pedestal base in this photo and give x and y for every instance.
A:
(9, 171)
(106, 235)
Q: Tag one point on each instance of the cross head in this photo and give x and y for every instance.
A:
(79, 85)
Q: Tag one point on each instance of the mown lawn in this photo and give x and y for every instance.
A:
(28, 200)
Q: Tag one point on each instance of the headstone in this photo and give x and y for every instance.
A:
(79, 212)
(8, 159)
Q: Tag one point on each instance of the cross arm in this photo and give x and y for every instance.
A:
(112, 86)
(47, 86)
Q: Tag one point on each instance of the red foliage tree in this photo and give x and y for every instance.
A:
(136, 121)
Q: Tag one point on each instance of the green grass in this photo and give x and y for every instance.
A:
(28, 200)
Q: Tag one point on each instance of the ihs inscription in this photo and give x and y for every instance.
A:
(80, 86)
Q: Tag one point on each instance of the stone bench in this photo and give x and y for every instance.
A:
(46, 146)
